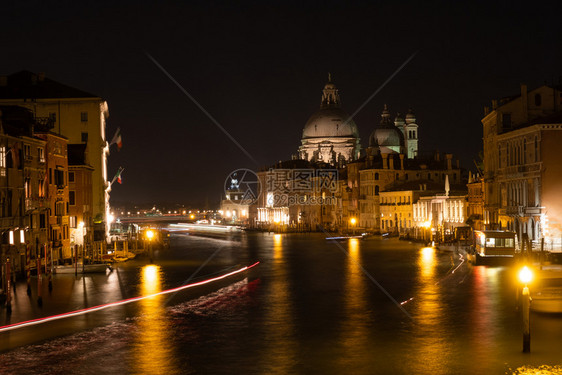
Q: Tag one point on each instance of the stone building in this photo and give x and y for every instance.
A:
(23, 203)
(80, 214)
(77, 115)
(522, 170)
(56, 158)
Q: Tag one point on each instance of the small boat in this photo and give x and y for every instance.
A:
(344, 238)
(547, 293)
(123, 256)
(87, 268)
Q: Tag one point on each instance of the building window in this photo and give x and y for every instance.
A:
(84, 116)
(72, 221)
(41, 154)
(72, 198)
(538, 100)
(3, 160)
(506, 120)
(84, 137)
(376, 176)
(27, 151)
(536, 149)
(59, 178)
(70, 176)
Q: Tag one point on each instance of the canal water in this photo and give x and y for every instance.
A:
(311, 307)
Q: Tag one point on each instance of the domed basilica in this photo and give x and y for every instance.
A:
(331, 136)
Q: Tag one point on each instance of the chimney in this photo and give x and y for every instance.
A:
(494, 104)
(449, 158)
(436, 156)
(384, 161)
(402, 161)
(524, 102)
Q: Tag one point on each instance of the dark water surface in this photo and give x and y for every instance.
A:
(310, 307)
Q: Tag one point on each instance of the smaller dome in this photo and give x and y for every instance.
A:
(387, 135)
(410, 117)
(399, 120)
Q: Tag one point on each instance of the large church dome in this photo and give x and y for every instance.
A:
(387, 136)
(330, 122)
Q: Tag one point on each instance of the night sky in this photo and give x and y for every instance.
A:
(259, 68)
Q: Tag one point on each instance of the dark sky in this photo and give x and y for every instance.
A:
(259, 68)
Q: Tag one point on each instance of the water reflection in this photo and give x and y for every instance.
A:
(430, 341)
(355, 331)
(153, 347)
(280, 355)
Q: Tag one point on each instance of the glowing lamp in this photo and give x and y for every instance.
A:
(525, 275)
(353, 221)
(149, 234)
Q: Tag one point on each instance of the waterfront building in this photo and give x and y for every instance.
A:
(440, 213)
(56, 157)
(475, 209)
(23, 204)
(80, 214)
(522, 170)
(77, 115)
(381, 172)
(330, 135)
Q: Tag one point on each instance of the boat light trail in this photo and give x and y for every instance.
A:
(119, 303)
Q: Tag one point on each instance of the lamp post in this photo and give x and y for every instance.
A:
(526, 276)
(352, 221)
(150, 235)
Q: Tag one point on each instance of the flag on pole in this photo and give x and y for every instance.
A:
(118, 176)
(117, 139)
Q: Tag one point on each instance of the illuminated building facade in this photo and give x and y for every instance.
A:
(23, 202)
(522, 170)
(81, 220)
(77, 115)
(57, 193)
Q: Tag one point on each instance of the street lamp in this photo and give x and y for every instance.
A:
(526, 276)
(150, 236)
(353, 221)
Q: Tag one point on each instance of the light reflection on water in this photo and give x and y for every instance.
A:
(152, 351)
(356, 310)
(279, 356)
(429, 337)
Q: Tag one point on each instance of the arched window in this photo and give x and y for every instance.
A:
(538, 100)
(376, 175)
(536, 149)
(376, 189)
